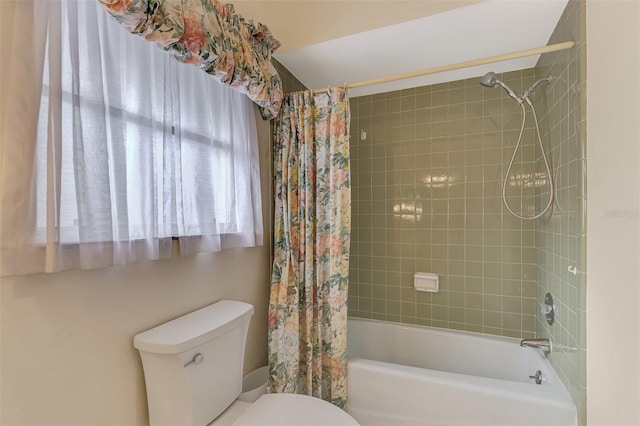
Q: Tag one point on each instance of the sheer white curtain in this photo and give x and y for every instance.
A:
(110, 148)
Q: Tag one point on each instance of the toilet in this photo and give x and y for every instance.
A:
(193, 373)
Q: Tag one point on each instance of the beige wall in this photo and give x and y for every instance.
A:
(67, 355)
(613, 213)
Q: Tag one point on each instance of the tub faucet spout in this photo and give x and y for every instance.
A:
(542, 344)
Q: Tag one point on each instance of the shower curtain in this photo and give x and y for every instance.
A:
(312, 226)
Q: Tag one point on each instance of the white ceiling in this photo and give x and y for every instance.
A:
(475, 31)
(300, 23)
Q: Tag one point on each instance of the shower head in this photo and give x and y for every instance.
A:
(491, 80)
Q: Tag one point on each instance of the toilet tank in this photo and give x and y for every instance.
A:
(193, 364)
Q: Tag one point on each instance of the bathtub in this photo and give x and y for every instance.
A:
(412, 375)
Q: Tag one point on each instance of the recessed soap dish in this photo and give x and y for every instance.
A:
(423, 281)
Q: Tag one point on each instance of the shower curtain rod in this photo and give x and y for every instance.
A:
(488, 60)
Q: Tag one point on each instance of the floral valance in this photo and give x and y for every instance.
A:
(211, 36)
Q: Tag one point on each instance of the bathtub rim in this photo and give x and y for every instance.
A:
(441, 330)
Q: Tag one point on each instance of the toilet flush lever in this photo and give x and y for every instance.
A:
(197, 359)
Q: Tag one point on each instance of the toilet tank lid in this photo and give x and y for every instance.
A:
(193, 329)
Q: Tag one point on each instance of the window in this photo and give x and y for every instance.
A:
(134, 148)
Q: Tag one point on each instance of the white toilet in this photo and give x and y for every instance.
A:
(193, 372)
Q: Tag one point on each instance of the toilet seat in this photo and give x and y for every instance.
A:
(285, 409)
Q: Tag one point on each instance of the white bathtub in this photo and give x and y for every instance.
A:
(412, 375)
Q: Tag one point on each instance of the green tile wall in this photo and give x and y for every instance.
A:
(561, 236)
(427, 198)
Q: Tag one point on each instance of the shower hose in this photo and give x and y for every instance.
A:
(513, 157)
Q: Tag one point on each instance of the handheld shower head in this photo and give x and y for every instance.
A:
(491, 80)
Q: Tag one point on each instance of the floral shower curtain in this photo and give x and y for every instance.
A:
(312, 226)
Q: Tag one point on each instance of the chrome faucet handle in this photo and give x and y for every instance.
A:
(538, 377)
(548, 309)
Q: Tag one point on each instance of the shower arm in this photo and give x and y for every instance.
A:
(533, 87)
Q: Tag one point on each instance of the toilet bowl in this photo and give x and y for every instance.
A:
(282, 409)
(193, 373)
